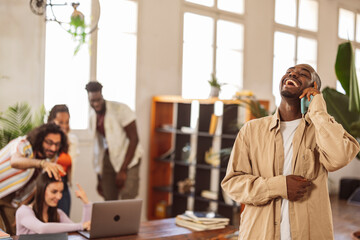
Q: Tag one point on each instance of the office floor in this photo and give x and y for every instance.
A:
(346, 218)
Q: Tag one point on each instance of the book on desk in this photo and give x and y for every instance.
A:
(200, 221)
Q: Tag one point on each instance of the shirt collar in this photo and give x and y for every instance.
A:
(276, 119)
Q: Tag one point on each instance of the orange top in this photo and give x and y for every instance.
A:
(64, 160)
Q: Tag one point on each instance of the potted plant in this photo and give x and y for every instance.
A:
(215, 86)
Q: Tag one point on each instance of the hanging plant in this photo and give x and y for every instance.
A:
(77, 27)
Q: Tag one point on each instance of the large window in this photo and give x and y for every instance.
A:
(295, 37)
(213, 42)
(349, 29)
(66, 75)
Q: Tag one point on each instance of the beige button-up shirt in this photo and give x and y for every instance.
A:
(254, 171)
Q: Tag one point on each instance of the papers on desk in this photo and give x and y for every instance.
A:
(200, 221)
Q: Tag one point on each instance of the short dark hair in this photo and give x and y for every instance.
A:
(42, 183)
(93, 86)
(314, 75)
(37, 136)
(56, 109)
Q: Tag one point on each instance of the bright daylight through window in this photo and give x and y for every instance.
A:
(212, 44)
(66, 74)
(296, 25)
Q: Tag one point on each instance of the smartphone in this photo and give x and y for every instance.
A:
(305, 104)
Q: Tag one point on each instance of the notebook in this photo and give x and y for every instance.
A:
(114, 218)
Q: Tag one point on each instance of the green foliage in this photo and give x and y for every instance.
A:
(77, 29)
(17, 121)
(346, 73)
(214, 81)
(345, 108)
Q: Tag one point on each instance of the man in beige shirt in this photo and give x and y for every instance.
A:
(257, 176)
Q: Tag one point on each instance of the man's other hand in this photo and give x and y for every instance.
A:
(121, 178)
(296, 186)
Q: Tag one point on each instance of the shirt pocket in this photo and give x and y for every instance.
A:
(310, 165)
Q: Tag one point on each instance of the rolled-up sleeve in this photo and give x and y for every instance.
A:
(336, 146)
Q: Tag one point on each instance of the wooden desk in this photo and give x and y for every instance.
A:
(165, 229)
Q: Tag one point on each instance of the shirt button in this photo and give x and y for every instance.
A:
(275, 223)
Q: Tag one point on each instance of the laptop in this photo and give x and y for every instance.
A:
(114, 218)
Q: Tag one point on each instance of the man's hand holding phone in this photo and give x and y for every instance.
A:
(307, 96)
(310, 91)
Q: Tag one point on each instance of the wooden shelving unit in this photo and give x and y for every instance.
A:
(169, 115)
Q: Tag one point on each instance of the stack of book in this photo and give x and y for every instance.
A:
(200, 221)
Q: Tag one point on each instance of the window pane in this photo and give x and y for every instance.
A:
(358, 27)
(236, 6)
(229, 59)
(308, 15)
(307, 51)
(197, 69)
(116, 55)
(65, 74)
(198, 29)
(230, 35)
(346, 24)
(197, 55)
(229, 70)
(208, 3)
(285, 12)
(284, 57)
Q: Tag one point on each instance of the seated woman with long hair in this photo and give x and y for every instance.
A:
(43, 216)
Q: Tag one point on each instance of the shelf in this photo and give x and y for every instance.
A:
(202, 134)
(163, 189)
(170, 133)
(184, 194)
(229, 136)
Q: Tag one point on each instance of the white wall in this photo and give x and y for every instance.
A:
(158, 67)
(22, 38)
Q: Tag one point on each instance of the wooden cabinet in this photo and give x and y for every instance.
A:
(179, 139)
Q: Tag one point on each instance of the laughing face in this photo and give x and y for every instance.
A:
(53, 193)
(295, 80)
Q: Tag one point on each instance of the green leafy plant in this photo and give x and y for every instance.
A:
(345, 108)
(214, 82)
(77, 27)
(17, 121)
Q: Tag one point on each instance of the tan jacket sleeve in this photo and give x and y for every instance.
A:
(240, 183)
(337, 147)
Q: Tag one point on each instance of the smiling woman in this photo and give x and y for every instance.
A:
(43, 216)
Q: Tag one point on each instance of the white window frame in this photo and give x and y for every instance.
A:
(216, 14)
(296, 31)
